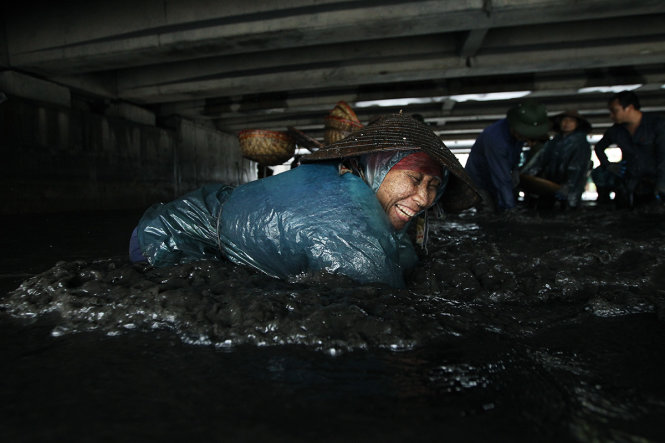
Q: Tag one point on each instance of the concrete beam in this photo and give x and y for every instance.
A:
(285, 60)
(21, 85)
(410, 48)
(101, 84)
(575, 33)
(472, 42)
(131, 113)
(68, 38)
(462, 114)
(380, 72)
(290, 105)
(74, 41)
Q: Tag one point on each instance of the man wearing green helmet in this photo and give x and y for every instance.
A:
(496, 153)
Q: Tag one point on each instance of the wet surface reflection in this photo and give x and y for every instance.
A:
(545, 327)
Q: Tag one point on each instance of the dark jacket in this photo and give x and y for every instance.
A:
(643, 151)
(493, 157)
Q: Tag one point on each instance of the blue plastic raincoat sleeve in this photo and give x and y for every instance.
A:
(311, 219)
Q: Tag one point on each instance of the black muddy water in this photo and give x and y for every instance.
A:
(547, 327)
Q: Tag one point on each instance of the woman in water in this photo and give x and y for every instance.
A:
(345, 210)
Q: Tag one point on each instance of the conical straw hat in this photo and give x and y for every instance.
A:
(399, 132)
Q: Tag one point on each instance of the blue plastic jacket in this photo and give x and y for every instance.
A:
(304, 220)
(564, 159)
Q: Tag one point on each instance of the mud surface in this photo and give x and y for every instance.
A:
(546, 326)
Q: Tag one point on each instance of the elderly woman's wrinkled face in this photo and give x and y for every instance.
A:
(404, 193)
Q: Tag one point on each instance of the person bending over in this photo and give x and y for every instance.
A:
(495, 156)
(564, 160)
(345, 210)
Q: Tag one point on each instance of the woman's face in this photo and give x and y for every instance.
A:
(568, 124)
(404, 193)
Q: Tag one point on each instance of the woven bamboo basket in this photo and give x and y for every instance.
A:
(343, 110)
(337, 128)
(265, 147)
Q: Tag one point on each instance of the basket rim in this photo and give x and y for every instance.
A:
(263, 132)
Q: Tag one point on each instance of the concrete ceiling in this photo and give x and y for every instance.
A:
(268, 64)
